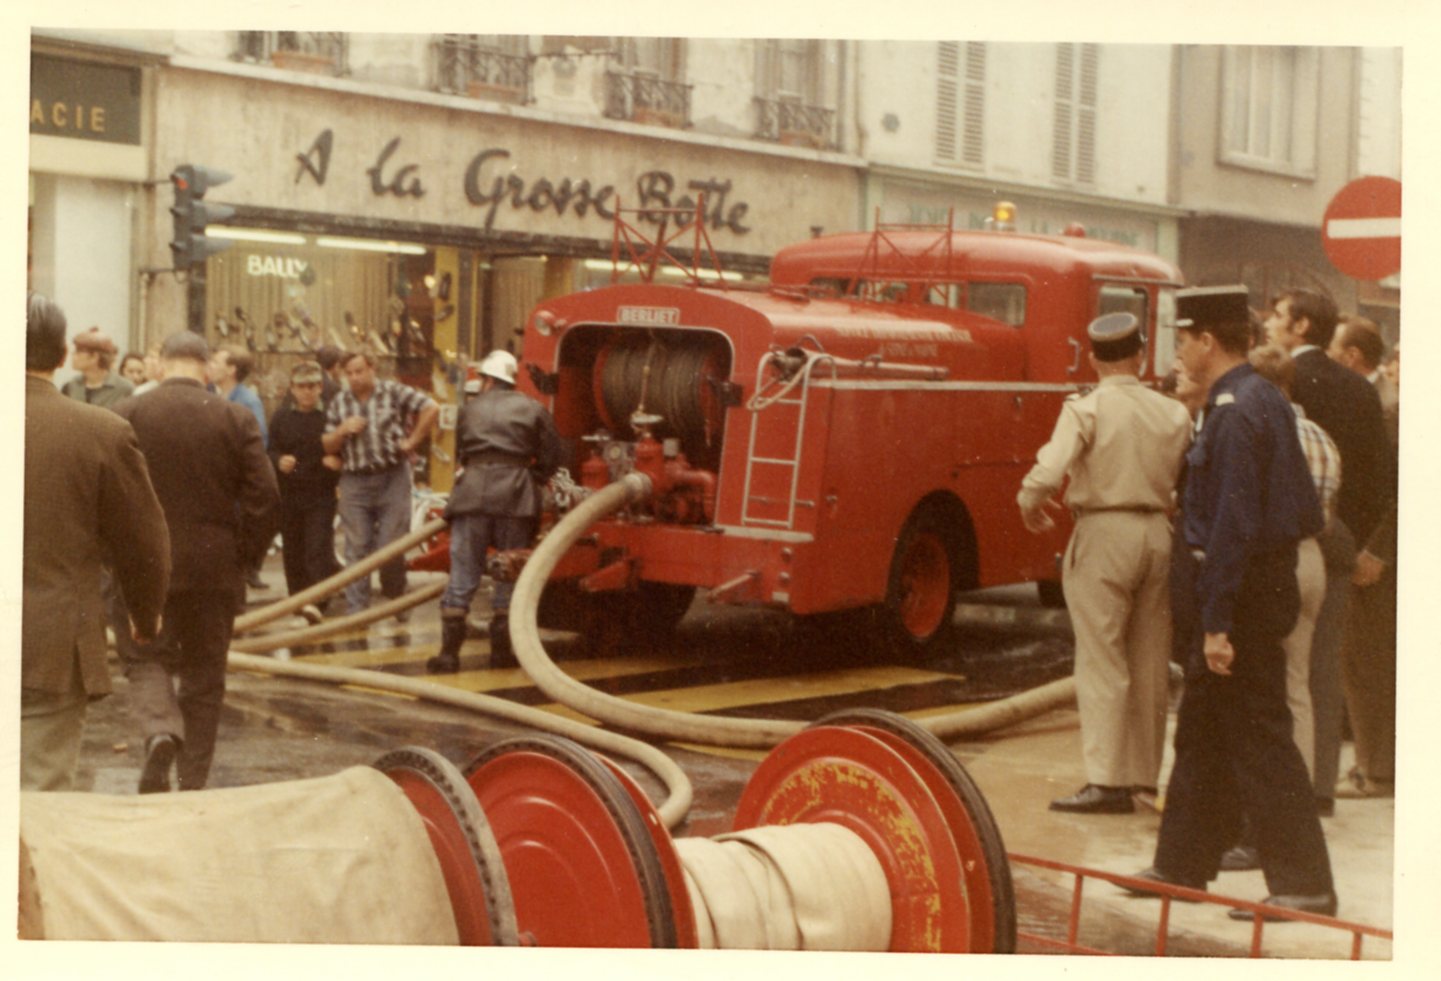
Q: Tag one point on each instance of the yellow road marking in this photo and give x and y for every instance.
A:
(754, 691)
(927, 713)
(381, 691)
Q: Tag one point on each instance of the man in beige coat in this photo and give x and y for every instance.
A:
(87, 496)
(1121, 446)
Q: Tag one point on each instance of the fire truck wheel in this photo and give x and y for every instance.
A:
(921, 595)
(1050, 593)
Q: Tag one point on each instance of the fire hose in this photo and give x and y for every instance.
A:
(530, 652)
(244, 656)
(683, 726)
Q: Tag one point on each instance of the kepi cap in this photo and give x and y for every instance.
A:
(1115, 336)
(1206, 306)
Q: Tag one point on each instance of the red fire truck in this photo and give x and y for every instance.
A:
(850, 437)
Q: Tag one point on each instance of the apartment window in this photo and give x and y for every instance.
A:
(1270, 97)
(645, 83)
(488, 66)
(1073, 140)
(961, 103)
(319, 52)
(789, 103)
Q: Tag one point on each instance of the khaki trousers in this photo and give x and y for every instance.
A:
(51, 727)
(1311, 580)
(1115, 575)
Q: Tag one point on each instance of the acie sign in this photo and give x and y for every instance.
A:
(1361, 230)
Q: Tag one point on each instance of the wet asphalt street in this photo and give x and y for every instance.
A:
(759, 664)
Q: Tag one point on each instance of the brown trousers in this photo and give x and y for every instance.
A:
(1368, 672)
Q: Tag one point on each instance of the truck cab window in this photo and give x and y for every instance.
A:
(1005, 302)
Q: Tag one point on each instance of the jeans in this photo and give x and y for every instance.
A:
(374, 511)
(470, 536)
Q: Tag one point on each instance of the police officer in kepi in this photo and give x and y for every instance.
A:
(1249, 500)
(1120, 445)
(508, 446)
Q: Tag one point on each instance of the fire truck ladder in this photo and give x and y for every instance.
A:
(789, 386)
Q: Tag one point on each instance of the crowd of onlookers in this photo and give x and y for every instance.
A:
(1251, 536)
(152, 497)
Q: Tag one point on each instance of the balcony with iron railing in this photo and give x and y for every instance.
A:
(465, 65)
(318, 52)
(645, 98)
(794, 123)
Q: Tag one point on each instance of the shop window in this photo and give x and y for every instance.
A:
(284, 295)
(486, 66)
(1270, 97)
(645, 82)
(961, 103)
(790, 107)
(318, 52)
(1073, 136)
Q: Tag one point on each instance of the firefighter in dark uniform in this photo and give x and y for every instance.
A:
(508, 445)
(1249, 500)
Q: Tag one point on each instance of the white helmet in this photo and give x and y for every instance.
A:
(501, 365)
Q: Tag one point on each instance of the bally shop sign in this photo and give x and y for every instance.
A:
(489, 182)
(84, 101)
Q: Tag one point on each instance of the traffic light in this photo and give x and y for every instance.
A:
(192, 214)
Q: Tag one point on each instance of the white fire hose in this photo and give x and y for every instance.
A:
(672, 811)
(665, 724)
(684, 726)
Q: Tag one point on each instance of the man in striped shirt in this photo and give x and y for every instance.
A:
(375, 427)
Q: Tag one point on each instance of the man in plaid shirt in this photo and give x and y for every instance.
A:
(376, 428)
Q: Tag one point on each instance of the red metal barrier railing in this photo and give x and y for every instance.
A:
(1168, 893)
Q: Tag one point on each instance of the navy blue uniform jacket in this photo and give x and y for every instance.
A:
(1248, 489)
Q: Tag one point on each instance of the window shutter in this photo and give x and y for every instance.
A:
(947, 84)
(1086, 115)
(1063, 111)
(974, 132)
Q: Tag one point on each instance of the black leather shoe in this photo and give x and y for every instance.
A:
(1154, 874)
(1242, 858)
(1322, 903)
(160, 751)
(1095, 799)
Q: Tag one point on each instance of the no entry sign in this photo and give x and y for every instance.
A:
(1361, 230)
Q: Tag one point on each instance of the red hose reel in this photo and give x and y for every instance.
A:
(585, 861)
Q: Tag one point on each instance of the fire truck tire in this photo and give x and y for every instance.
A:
(921, 592)
(1050, 593)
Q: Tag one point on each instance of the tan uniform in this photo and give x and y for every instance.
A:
(1121, 445)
